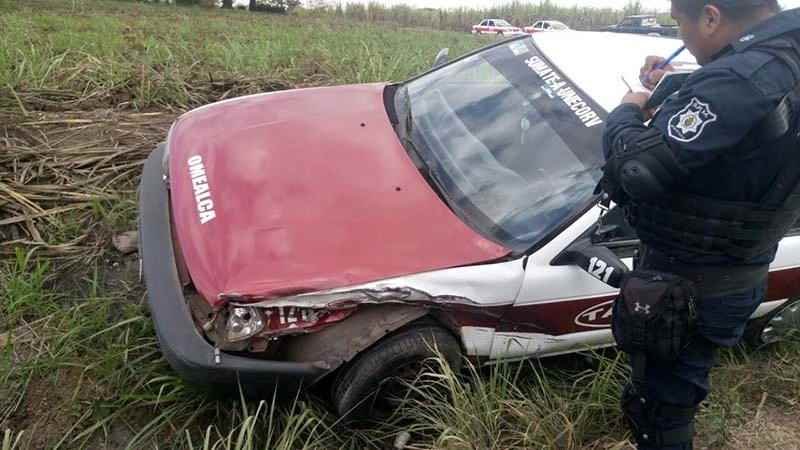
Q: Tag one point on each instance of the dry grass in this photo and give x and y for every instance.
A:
(58, 169)
(79, 365)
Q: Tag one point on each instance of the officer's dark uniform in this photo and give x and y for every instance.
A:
(717, 171)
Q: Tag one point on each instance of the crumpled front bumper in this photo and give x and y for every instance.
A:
(189, 354)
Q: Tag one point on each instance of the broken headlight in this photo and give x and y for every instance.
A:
(243, 323)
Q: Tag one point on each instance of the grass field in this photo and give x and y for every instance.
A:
(87, 89)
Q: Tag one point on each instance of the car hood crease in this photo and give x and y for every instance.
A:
(311, 190)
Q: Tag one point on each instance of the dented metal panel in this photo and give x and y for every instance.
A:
(302, 191)
(349, 299)
(486, 285)
(341, 342)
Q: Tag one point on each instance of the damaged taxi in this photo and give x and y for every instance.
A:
(345, 234)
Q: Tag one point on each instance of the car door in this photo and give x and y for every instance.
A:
(626, 25)
(570, 308)
(573, 308)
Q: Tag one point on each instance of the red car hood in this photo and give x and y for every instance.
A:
(305, 190)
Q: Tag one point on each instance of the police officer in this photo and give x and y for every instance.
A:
(710, 184)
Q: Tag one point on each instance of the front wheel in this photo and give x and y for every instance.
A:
(371, 384)
(780, 325)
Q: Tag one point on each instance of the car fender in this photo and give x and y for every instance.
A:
(341, 342)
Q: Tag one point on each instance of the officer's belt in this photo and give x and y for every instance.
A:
(709, 280)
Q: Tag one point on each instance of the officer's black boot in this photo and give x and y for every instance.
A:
(657, 425)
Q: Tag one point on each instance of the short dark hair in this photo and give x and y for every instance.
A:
(737, 10)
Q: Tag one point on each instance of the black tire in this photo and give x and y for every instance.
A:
(357, 392)
(754, 333)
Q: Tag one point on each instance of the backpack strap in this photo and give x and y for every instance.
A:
(782, 119)
(787, 49)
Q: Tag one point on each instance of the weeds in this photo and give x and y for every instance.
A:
(517, 405)
(10, 440)
(22, 288)
(183, 57)
(87, 90)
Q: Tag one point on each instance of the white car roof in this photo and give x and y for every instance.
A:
(596, 61)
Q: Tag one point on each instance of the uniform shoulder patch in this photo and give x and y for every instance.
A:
(688, 124)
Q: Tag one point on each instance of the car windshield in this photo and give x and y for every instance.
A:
(501, 23)
(510, 144)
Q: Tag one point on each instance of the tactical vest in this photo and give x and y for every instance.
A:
(742, 230)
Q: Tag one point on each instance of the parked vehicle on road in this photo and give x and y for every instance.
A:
(337, 234)
(643, 24)
(497, 27)
(546, 25)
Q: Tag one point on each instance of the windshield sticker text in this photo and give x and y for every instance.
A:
(202, 193)
(555, 86)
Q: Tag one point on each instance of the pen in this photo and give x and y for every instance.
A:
(669, 60)
(630, 89)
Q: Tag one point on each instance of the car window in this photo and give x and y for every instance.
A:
(537, 25)
(510, 144)
(491, 23)
(627, 22)
(484, 23)
(546, 26)
(615, 233)
(649, 22)
(615, 228)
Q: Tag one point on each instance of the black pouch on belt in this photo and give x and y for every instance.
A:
(653, 316)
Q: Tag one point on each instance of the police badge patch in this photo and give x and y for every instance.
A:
(688, 124)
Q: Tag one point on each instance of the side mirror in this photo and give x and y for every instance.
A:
(441, 57)
(598, 261)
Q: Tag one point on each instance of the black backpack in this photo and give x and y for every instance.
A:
(654, 314)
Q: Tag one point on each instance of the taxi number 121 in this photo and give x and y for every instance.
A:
(600, 269)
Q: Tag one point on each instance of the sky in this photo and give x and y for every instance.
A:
(619, 4)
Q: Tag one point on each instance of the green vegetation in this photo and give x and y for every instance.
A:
(87, 89)
(519, 13)
(143, 55)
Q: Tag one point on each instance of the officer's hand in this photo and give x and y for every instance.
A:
(639, 99)
(649, 76)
